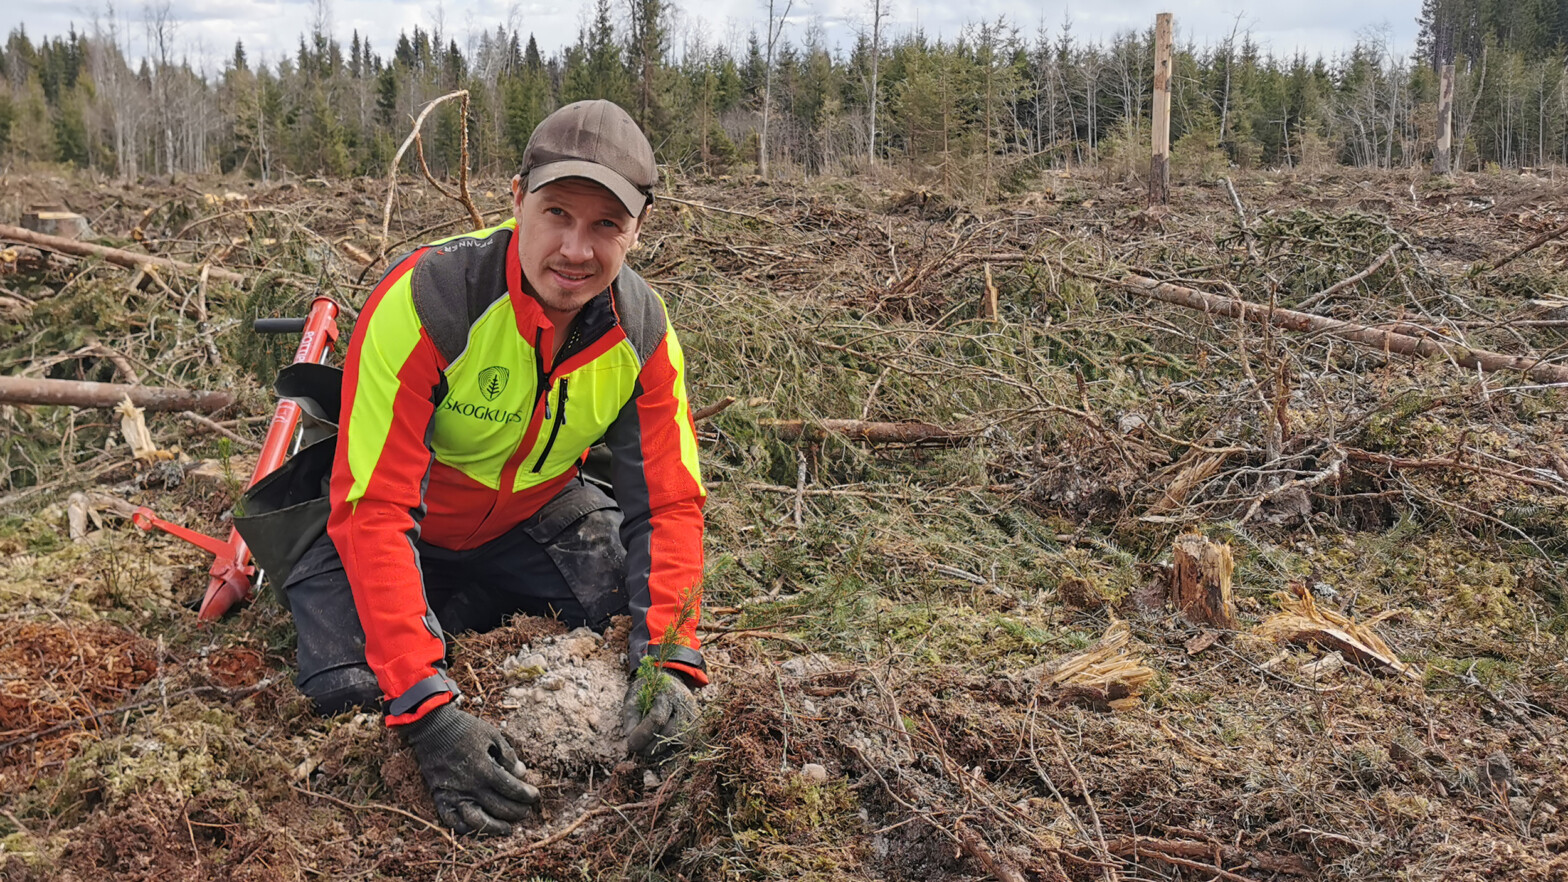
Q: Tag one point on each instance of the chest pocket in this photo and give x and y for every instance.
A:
(593, 397)
(491, 390)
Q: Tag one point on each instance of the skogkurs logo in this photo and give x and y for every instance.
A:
(492, 381)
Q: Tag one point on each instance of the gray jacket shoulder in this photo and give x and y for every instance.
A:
(641, 313)
(455, 282)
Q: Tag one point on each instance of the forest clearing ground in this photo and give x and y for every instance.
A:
(883, 620)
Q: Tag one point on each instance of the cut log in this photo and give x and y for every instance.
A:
(1200, 582)
(78, 393)
(862, 430)
(22, 258)
(1422, 347)
(713, 409)
(115, 256)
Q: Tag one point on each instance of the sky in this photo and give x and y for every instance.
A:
(207, 29)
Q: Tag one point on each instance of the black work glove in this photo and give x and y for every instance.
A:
(660, 721)
(473, 773)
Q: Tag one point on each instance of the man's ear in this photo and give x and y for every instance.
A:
(517, 189)
(641, 220)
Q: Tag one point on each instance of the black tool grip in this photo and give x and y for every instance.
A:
(278, 325)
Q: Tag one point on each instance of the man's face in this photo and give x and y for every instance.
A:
(573, 237)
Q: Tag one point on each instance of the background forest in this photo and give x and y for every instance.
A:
(989, 103)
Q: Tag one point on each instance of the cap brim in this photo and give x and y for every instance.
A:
(634, 199)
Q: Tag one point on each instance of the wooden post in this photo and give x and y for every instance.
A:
(1200, 582)
(988, 306)
(1445, 123)
(1160, 166)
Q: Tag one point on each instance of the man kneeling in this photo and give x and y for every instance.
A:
(482, 369)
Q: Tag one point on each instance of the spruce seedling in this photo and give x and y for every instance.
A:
(231, 481)
(649, 681)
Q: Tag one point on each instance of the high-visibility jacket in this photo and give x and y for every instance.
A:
(458, 424)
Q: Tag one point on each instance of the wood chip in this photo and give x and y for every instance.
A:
(133, 425)
(1109, 673)
(1302, 621)
(1201, 642)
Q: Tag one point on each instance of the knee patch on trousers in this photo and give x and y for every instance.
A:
(341, 689)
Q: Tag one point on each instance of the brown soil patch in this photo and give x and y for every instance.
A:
(56, 673)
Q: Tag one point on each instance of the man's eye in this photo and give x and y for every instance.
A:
(609, 225)
(556, 210)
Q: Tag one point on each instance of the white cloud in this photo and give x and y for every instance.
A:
(271, 28)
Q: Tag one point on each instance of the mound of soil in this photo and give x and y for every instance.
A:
(564, 711)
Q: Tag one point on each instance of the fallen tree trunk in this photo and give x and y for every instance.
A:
(113, 255)
(863, 430)
(1289, 319)
(79, 393)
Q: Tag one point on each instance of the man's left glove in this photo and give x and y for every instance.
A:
(659, 715)
(473, 773)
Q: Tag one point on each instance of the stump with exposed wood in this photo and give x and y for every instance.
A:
(55, 220)
(1200, 582)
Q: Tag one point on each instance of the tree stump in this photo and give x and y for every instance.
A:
(1200, 582)
(55, 220)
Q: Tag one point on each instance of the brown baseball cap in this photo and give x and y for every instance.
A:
(596, 140)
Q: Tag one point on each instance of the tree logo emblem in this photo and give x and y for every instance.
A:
(492, 382)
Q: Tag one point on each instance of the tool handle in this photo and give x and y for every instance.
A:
(278, 325)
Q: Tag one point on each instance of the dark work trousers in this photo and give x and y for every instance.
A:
(565, 562)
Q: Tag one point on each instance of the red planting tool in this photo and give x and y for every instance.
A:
(233, 574)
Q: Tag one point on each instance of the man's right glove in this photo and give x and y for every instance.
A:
(473, 773)
(658, 716)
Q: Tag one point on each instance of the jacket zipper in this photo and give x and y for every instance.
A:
(544, 378)
(546, 382)
(555, 428)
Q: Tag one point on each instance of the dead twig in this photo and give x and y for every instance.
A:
(116, 256)
(1535, 243)
(386, 211)
(1328, 472)
(1395, 462)
(205, 423)
(82, 393)
(704, 207)
(1341, 285)
(562, 833)
(201, 315)
(1088, 799)
(1139, 847)
(713, 409)
(975, 846)
(1535, 367)
(1186, 848)
(355, 807)
(862, 430)
(230, 694)
(460, 197)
